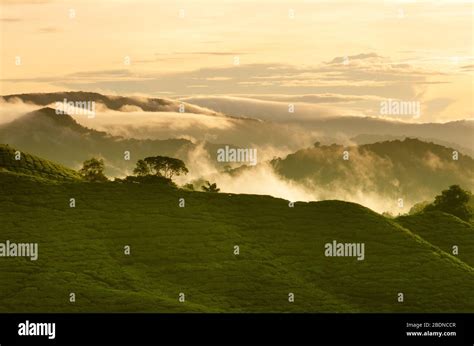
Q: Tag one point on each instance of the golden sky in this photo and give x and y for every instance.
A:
(419, 50)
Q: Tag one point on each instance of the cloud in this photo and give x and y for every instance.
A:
(264, 91)
(207, 53)
(10, 20)
(245, 133)
(362, 56)
(313, 98)
(48, 30)
(25, 2)
(268, 110)
(437, 105)
(132, 122)
(468, 67)
(14, 109)
(367, 74)
(263, 180)
(185, 55)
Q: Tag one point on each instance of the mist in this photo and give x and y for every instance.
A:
(270, 139)
(16, 108)
(263, 180)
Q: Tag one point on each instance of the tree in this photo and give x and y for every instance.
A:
(188, 186)
(93, 170)
(388, 215)
(210, 187)
(161, 166)
(142, 169)
(453, 201)
(418, 207)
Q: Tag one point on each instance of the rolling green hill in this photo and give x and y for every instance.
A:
(33, 166)
(443, 230)
(191, 250)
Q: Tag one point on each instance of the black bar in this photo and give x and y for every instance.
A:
(272, 329)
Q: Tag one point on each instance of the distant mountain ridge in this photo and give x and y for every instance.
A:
(374, 138)
(282, 133)
(48, 115)
(60, 138)
(459, 132)
(111, 102)
(410, 169)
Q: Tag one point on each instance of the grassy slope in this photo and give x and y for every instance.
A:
(32, 165)
(443, 230)
(191, 250)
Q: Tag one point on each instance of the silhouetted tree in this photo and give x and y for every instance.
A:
(453, 201)
(210, 187)
(418, 207)
(388, 215)
(142, 169)
(166, 166)
(93, 170)
(188, 186)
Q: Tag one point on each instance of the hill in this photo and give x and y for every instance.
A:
(33, 166)
(374, 138)
(272, 129)
(443, 230)
(191, 250)
(341, 127)
(410, 169)
(118, 103)
(457, 132)
(62, 139)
